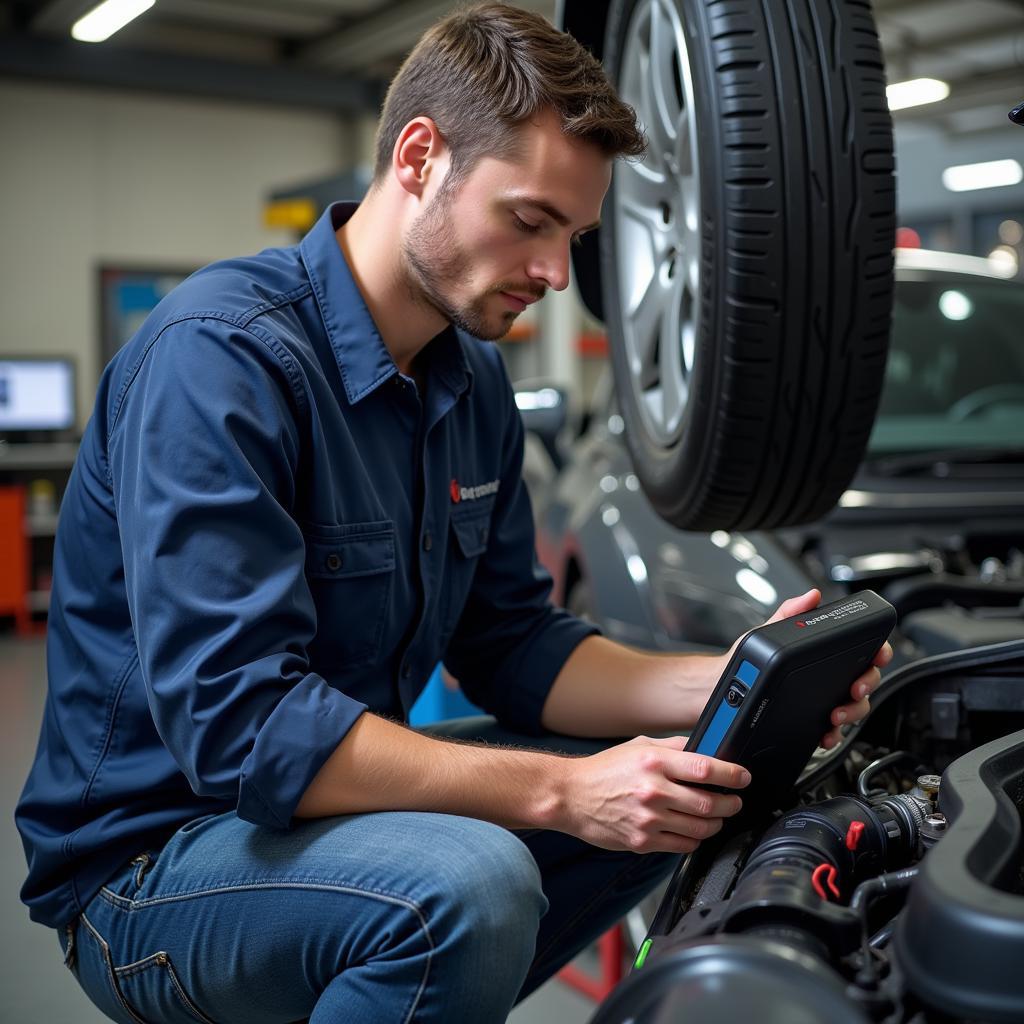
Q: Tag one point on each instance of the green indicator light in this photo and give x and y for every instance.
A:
(642, 955)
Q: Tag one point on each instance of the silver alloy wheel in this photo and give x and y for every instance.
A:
(656, 207)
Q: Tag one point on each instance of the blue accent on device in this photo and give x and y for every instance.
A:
(717, 729)
(747, 673)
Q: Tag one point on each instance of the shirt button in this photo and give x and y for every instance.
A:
(428, 541)
(334, 561)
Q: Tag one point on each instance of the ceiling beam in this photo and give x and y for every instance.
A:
(391, 33)
(64, 60)
(910, 46)
(898, 7)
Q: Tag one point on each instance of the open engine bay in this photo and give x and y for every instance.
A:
(888, 888)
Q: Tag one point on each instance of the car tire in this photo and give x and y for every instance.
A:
(746, 261)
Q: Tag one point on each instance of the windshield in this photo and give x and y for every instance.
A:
(955, 374)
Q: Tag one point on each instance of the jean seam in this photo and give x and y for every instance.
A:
(122, 902)
(111, 976)
(265, 883)
(184, 996)
(308, 884)
(567, 926)
(161, 960)
(137, 966)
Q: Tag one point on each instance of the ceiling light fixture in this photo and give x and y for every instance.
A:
(915, 93)
(103, 21)
(991, 174)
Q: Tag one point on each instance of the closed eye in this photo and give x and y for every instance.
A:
(532, 229)
(522, 225)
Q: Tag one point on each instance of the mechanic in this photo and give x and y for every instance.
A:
(299, 490)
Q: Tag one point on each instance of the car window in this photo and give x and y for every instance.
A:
(955, 373)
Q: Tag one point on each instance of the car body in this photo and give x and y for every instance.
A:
(934, 516)
(934, 522)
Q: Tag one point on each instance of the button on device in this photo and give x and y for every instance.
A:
(735, 694)
(428, 541)
(334, 561)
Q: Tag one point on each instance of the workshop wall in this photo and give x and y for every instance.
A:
(91, 176)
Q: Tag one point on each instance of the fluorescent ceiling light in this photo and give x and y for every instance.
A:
(992, 174)
(915, 93)
(103, 21)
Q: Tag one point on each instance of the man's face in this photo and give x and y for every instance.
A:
(481, 255)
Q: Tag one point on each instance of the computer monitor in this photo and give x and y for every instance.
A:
(36, 395)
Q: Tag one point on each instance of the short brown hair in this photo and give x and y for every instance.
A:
(490, 67)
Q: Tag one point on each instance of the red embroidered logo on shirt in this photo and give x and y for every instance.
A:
(460, 493)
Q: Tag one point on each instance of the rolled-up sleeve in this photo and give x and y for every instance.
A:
(511, 642)
(204, 454)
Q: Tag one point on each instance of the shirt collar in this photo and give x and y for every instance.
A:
(362, 357)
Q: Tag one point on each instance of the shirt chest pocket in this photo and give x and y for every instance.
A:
(470, 533)
(350, 569)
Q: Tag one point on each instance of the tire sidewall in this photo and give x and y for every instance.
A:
(794, 296)
(686, 457)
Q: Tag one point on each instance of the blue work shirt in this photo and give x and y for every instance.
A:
(268, 530)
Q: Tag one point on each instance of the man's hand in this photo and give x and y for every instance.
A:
(635, 796)
(862, 686)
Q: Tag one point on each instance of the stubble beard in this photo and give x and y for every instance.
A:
(433, 260)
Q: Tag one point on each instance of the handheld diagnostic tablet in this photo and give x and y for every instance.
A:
(774, 701)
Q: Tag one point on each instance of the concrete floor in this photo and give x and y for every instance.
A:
(35, 988)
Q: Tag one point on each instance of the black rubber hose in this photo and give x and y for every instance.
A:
(894, 881)
(869, 890)
(875, 767)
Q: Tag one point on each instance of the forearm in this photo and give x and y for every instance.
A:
(381, 766)
(605, 689)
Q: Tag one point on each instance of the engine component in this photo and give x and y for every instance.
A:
(724, 982)
(795, 877)
(968, 896)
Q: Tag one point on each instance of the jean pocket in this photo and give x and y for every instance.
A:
(153, 991)
(93, 967)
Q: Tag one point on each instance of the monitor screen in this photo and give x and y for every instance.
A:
(36, 394)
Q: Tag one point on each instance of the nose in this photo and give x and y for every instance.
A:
(550, 265)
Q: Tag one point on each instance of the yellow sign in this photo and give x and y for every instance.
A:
(297, 214)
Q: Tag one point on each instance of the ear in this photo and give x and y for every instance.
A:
(420, 153)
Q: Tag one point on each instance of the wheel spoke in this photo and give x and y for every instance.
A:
(684, 144)
(662, 61)
(657, 115)
(658, 222)
(644, 320)
(690, 257)
(642, 185)
(644, 200)
(659, 143)
(673, 387)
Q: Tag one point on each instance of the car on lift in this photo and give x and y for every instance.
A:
(744, 272)
(933, 517)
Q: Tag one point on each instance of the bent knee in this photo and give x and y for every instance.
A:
(488, 874)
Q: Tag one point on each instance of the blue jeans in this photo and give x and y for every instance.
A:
(390, 917)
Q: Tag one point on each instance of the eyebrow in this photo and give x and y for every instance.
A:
(556, 215)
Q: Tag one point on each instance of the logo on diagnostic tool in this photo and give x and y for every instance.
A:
(836, 614)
